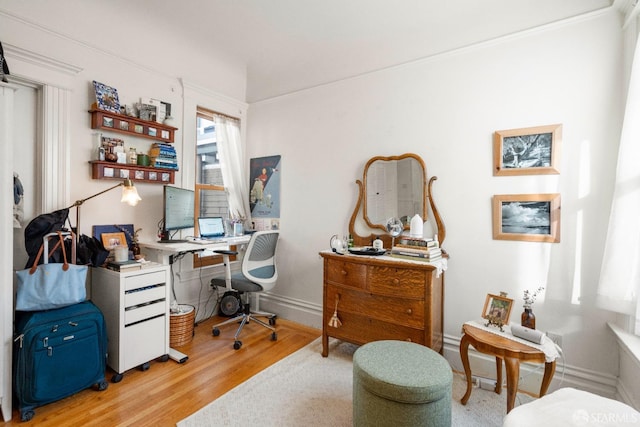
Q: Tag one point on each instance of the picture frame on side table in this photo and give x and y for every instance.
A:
(497, 309)
(527, 151)
(527, 217)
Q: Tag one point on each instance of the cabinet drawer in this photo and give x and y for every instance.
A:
(400, 311)
(143, 342)
(136, 314)
(346, 273)
(144, 279)
(401, 282)
(360, 329)
(144, 295)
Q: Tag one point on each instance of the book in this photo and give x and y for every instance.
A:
(124, 265)
(417, 241)
(415, 258)
(417, 248)
(418, 252)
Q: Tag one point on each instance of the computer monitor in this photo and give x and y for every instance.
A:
(211, 227)
(178, 209)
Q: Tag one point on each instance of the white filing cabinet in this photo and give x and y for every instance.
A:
(135, 305)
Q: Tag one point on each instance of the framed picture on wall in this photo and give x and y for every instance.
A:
(527, 217)
(527, 151)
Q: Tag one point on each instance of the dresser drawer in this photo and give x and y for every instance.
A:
(346, 273)
(142, 312)
(143, 278)
(401, 282)
(400, 311)
(144, 295)
(360, 329)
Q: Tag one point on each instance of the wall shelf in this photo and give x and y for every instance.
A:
(133, 126)
(120, 171)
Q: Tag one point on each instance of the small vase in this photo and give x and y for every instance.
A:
(528, 319)
(135, 249)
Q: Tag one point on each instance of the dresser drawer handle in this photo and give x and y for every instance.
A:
(344, 272)
(396, 281)
(409, 311)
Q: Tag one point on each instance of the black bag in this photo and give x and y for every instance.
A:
(39, 227)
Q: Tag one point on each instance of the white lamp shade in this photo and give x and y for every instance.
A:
(130, 195)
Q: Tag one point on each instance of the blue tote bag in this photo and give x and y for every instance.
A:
(49, 286)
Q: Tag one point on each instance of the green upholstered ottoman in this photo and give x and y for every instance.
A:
(398, 383)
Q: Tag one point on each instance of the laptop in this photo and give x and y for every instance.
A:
(211, 228)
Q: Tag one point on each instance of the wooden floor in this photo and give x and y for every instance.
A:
(168, 391)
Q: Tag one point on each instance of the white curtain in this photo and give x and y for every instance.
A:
(620, 275)
(232, 165)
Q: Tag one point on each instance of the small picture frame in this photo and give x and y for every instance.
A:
(497, 309)
(139, 174)
(153, 131)
(164, 134)
(124, 173)
(124, 125)
(527, 151)
(138, 129)
(153, 176)
(166, 177)
(107, 122)
(111, 240)
(108, 172)
(527, 217)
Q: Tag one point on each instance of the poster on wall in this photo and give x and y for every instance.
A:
(264, 197)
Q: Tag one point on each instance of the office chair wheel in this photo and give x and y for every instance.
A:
(274, 336)
(272, 320)
(215, 332)
(237, 345)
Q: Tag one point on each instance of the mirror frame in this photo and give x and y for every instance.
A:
(384, 236)
(423, 213)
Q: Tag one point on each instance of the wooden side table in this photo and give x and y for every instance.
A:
(512, 352)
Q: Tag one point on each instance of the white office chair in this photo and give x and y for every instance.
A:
(259, 273)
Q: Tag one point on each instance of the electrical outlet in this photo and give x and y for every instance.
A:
(555, 337)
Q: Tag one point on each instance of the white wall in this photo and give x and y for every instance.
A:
(445, 109)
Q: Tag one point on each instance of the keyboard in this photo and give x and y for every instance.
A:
(202, 241)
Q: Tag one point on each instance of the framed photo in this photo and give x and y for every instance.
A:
(164, 134)
(124, 125)
(110, 240)
(108, 172)
(153, 176)
(527, 151)
(106, 98)
(153, 131)
(139, 174)
(497, 309)
(166, 177)
(138, 129)
(527, 217)
(124, 173)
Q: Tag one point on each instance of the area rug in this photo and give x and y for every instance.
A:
(306, 389)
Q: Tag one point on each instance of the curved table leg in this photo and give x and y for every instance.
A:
(549, 370)
(498, 388)
(464, 355)
(513, 373)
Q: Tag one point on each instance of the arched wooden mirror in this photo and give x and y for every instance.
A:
(394, 186)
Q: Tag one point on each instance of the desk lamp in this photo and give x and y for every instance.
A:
(129, 196)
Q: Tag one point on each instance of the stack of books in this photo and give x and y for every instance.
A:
(163, 156)
(417, 249)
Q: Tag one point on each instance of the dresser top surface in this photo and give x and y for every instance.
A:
(384, 260)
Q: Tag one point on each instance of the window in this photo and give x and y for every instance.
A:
(210, 194)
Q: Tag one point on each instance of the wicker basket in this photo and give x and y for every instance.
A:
(181, 326)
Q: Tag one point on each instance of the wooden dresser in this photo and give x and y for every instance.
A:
(382, 298)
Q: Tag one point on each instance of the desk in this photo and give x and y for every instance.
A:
(164, 253)
(511, 351)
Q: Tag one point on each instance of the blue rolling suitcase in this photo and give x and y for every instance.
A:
(58, 353)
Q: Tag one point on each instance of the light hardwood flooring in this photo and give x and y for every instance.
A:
(168, 392)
